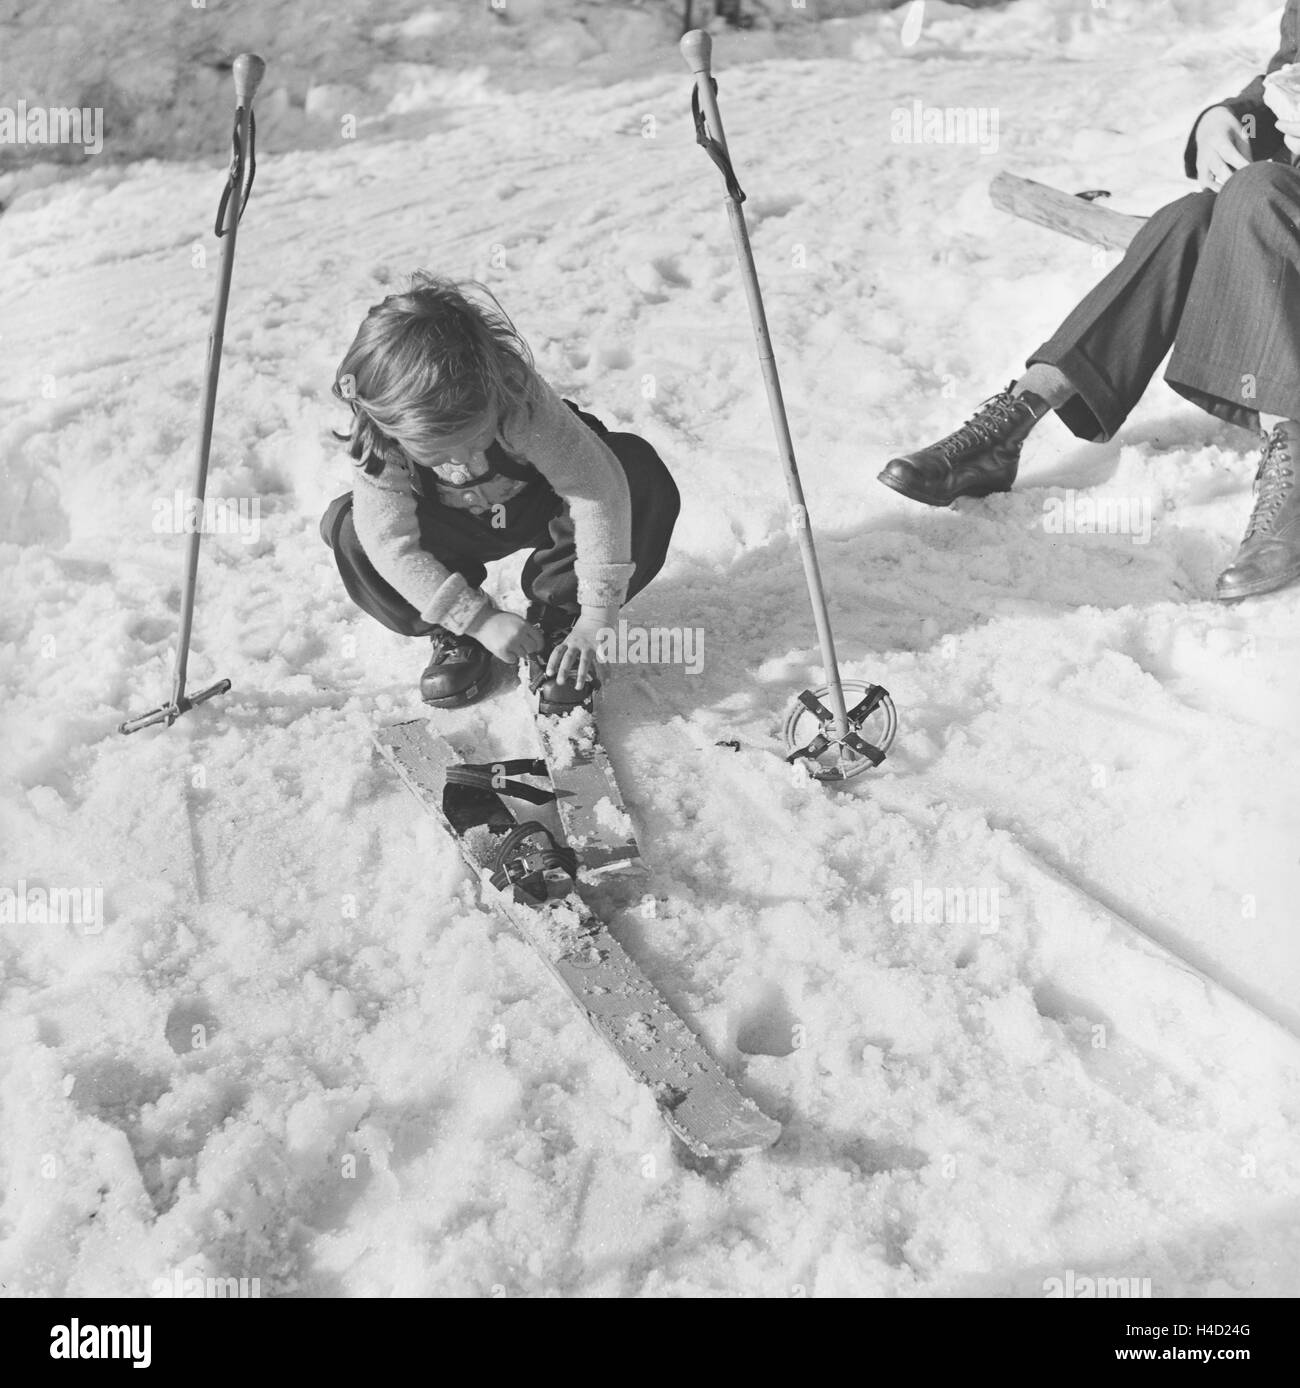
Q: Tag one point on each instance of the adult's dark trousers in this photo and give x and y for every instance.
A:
(1215, 277)
(535, 518)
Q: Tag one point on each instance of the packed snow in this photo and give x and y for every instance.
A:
(1025, 998)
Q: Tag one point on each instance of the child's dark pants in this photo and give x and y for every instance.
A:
(535, 518)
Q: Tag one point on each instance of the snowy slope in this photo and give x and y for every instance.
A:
(299, 1050)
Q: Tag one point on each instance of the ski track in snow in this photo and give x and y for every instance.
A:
(301, 1050)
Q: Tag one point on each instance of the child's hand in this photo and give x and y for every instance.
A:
(575, 659)
(508, 637)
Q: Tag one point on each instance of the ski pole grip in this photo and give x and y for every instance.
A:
(697, 49)
(248, 70)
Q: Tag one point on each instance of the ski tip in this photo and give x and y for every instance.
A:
(248, 71)
(755, 1132)
(697, 49)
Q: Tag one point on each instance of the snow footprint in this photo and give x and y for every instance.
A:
(767, 1026)
(653, 277)
(1068, 1010)
(190, 1026)
(114, 1090)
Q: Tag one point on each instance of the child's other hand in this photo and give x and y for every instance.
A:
(575, 659)
(508, 637)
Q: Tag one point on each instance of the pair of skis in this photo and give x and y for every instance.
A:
(538, 879)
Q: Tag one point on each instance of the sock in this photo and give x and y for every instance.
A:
(1049, 383)
(1269, 422)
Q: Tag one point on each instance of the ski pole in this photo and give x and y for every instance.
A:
(697, 48)
(248, 71)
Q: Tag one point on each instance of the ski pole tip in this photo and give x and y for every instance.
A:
(697, 49)
(248, 70)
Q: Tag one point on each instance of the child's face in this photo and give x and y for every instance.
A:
(463, 449)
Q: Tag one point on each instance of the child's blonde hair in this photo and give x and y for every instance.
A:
(427, 367)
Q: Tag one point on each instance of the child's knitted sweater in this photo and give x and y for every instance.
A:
(577, 464)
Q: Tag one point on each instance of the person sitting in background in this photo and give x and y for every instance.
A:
(1215, 276)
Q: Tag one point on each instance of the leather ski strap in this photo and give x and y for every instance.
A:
(488, 776)
(712, 148)
(236, 176)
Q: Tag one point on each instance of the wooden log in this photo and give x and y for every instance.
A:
(1063, 212)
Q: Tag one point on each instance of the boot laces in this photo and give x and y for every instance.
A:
(993, 415)
(1273, 481)
(447, 643)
